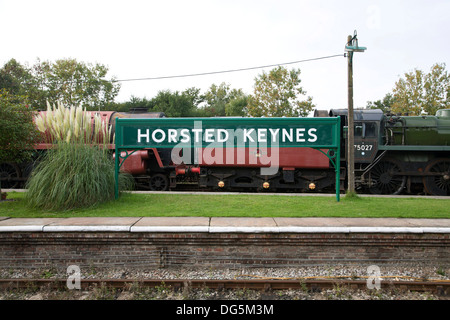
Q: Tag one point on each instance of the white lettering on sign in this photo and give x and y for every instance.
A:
(141, 135)
(161, 132)
(312, 135)
(211, 135)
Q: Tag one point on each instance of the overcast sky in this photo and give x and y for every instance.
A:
(138, 39)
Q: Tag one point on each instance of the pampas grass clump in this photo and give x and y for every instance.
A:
(72, 125)
(78, 172)
(72, 176)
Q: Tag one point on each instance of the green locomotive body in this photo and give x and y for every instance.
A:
(419, 130)
(394, 154)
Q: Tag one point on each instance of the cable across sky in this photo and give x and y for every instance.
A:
(228, 71)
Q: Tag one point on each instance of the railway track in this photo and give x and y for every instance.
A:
(437, 287)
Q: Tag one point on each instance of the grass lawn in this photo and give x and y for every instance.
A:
(239, 205)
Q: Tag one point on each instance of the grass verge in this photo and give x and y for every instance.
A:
(258, 205)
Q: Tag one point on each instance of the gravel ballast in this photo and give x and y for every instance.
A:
(134, 292)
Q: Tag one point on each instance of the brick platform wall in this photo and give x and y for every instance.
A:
(159, 250)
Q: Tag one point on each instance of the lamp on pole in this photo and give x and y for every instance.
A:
(350, 48)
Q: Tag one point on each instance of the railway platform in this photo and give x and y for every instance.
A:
(221, 242)
(229, 224)
(225, 225)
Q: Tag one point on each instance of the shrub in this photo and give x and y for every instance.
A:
(73, 176)
(18, 134)
(78, 172)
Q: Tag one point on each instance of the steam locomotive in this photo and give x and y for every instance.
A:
(401, 154)
(393, 155)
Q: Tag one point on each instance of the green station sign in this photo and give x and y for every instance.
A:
(319, 133)
(231, 132)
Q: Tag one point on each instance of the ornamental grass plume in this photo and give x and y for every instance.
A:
(79, 172)
(60, 121)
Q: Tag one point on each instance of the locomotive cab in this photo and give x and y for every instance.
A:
(367, 128)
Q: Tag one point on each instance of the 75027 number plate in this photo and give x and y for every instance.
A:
(363, 147)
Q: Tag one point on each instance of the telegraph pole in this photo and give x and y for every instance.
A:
(350, 48)
(351, 127)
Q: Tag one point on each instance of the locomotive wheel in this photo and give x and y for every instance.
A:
(438, 181)
(9, 171)
(159, 182)
(385, 178)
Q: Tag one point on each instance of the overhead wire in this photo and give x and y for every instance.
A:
(229, 71)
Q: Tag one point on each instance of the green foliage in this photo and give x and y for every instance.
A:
(237, 106)
(79, 83)
(222, 101)
(385, 105)
(276, 94)
(216, 98)
(421, 92)
(65, 80)
(19, 81)
(134, 102)
(73, 175)
(173, 104)
(217, 101)
(194, 96)
(18, 133)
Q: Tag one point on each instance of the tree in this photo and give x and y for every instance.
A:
(18, 133)
(193, 94)
(65, 80)
(385, 105)
(218, 97)
(78, 83)
(173, 104)
(237, 106)
(12, 75)
(276, 94)
(422, 92)
(133, 103)
(19, 80)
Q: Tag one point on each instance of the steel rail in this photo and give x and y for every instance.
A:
(438, 287)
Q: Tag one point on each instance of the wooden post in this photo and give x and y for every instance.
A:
(351, 128)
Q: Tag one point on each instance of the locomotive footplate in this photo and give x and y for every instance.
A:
(248, 178)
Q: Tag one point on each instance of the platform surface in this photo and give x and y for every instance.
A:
(225, 224)
(229, 224)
